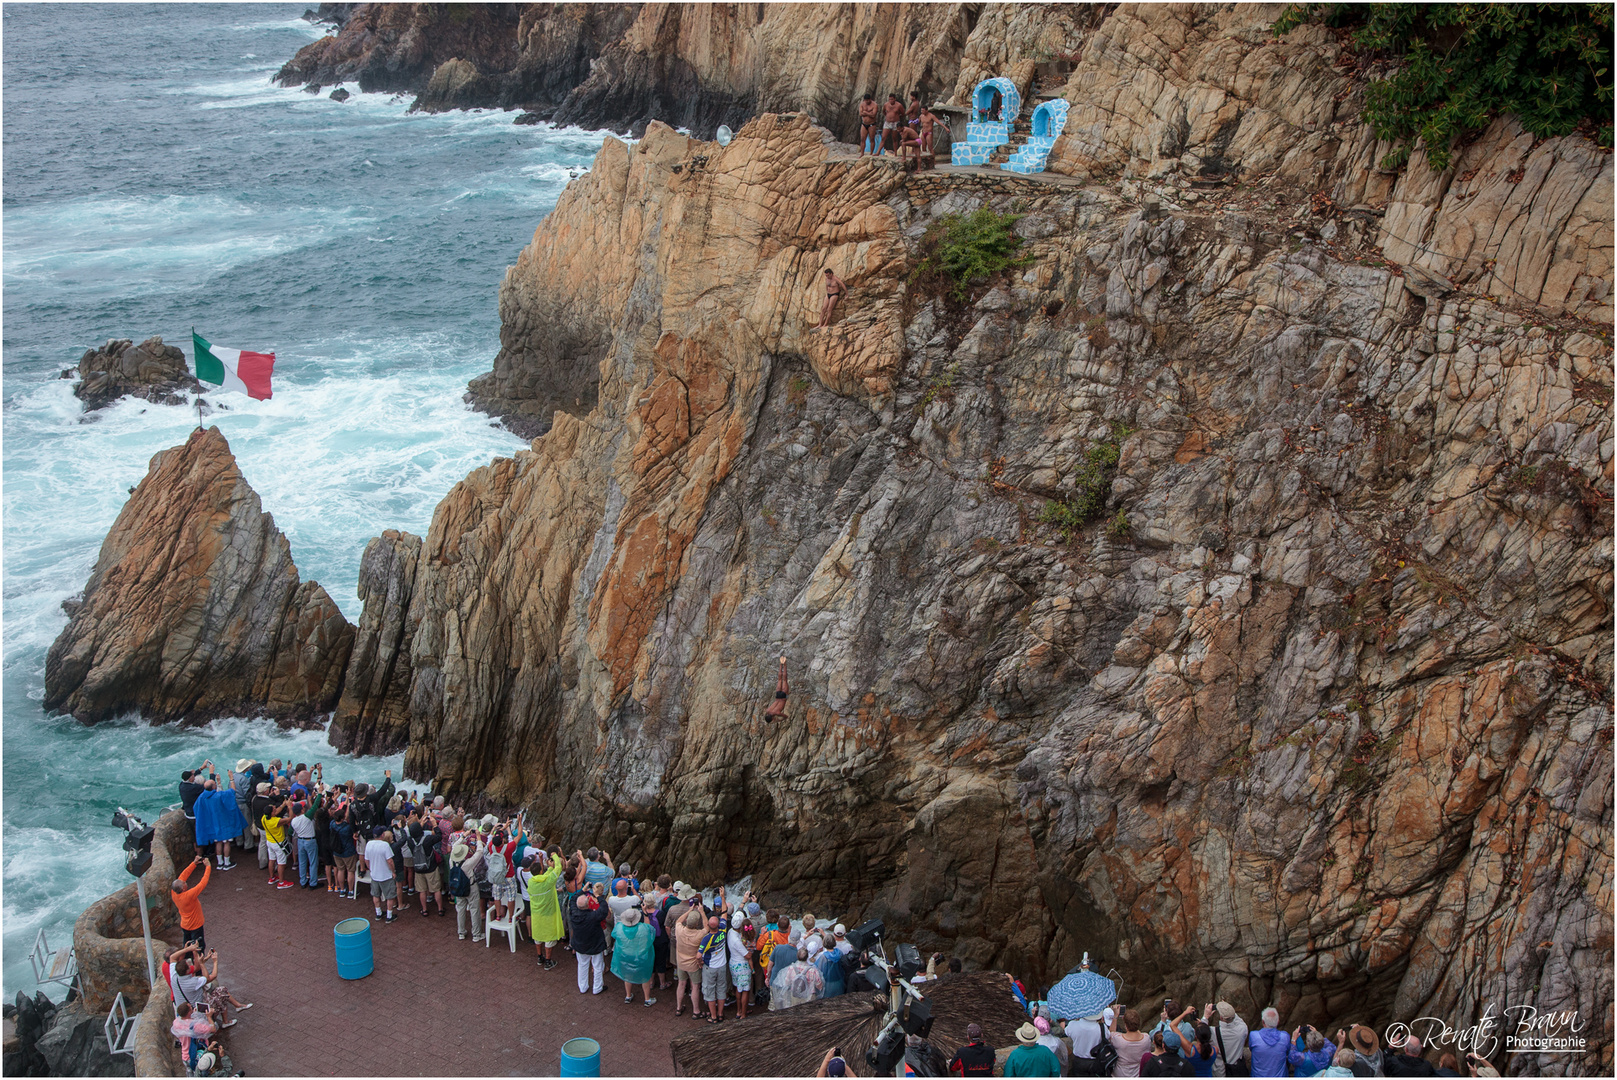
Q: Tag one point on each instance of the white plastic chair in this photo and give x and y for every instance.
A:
(512, 924)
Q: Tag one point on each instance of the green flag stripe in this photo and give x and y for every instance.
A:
(209, 369)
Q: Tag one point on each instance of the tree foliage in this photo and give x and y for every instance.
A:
(1460, 65)
(970, 246)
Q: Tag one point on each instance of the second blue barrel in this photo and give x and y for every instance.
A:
(581, 1057)
(353, 943)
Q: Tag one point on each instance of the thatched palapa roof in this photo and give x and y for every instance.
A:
(792, 1042)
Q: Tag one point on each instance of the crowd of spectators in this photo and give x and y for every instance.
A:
(655, 933)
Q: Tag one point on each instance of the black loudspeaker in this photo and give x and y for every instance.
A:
(866, 935)
(138, 845)
(886, 1054)
(907, 958)
(918, 1019)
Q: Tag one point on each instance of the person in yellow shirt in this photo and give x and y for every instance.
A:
(544, 908)
(275, 832)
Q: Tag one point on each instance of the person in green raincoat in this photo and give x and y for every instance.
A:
(631, 958)
(545, 909)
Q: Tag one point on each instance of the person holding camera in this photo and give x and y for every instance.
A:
(1233, 1058)
(1311, 1051)
(193, 1028)
(188, 901)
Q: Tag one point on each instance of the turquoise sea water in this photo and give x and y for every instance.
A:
(154, 180)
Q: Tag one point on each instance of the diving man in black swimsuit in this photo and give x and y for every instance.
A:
(778, 706)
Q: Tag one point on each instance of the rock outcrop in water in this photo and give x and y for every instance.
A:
(120, 368)
(195, 610)
(621, 66)
(457, 56)
(1315, 713)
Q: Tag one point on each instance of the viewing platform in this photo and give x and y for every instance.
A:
(433, 1006)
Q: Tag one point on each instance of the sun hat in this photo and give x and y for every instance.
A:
(677, 887)
(1226, 1011)
(630, 916)
(244, 764)
(490, 820)
(264, 788)
(1027, 1034)
(459, 852)
(687, 893)
(814, 947)
(206, 1063)
(1364, 1039)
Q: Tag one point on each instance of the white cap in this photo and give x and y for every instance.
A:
(840, 930)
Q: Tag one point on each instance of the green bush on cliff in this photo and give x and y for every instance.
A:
(1461, 65)
(965, 247)
(1092, 484)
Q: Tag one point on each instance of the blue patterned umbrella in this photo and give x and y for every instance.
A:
(1081, 993)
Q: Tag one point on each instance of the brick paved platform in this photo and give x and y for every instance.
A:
(434, 1006)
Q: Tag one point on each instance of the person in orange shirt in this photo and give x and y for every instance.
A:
(188, 899)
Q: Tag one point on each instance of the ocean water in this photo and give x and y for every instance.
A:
(155, 180)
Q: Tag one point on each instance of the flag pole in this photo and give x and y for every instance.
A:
(193, 367)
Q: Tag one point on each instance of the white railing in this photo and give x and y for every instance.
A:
(53, 965)
(120, 1027)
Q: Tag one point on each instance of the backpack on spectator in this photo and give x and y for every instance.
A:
(425, 855)
(459, 883)
(363, 817)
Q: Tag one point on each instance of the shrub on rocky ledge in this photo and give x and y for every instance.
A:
(1460, 65)
(963, 248)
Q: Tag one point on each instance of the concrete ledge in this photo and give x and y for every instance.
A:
(107, 936)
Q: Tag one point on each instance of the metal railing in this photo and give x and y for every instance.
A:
(53, 965)
(120, 1027)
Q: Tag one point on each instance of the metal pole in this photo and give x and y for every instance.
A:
(146, 929)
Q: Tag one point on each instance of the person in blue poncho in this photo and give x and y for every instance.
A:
(218, 822)
(829, 964)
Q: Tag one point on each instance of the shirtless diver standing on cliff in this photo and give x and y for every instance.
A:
(868, 133)
(835, 289)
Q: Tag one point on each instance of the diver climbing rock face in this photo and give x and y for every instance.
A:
(778, 706)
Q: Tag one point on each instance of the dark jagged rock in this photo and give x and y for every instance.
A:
(151, 370)
(339, 94)
(195, 610)
(518, 55)
(76, 1045)
(372, 717)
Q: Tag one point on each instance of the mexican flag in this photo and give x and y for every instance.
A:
(234, 369)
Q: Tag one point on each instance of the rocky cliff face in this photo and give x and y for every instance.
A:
(457, 56)
(1206, 92)
(1315, 713)
(194, 610)
(621, 66)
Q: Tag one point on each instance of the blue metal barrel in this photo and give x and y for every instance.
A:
(352, 938)
(581, 1057)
